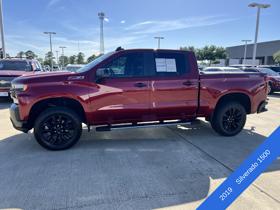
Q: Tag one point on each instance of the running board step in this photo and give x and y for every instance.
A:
(145, 125)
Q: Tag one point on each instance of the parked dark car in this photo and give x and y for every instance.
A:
(12, 68)
(272, 76)
(273, 68)
(133, 88)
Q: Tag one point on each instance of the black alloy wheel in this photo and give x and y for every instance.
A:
(229, 119)
(232, 119)
(57, 128)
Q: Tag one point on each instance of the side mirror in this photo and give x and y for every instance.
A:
(103, 73)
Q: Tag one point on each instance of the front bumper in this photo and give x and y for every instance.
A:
(15, 119)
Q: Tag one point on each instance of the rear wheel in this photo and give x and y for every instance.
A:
(57, 128)
(229, 119)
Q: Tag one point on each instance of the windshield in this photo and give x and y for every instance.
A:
(95, 62)
(15, 65)
(269, 72)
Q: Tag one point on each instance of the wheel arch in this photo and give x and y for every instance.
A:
(41, 105)
(239, 97)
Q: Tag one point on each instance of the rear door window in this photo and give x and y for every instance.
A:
(171, 64)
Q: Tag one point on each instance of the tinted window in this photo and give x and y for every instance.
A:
(250, 70)
(171, 64)
(275, 68)
(269, 72)
(15, 65)
(128, 65)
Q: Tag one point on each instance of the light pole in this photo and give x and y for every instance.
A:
(159, 38)
(101, 16)
(259, 7)
(2, 31)
(62, 54)
(245, 49)
(50, 35)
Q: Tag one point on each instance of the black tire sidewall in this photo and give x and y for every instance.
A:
(217, 121)
(58, 110)
(271, 89)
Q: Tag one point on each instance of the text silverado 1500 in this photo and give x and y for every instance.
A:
(133, 88)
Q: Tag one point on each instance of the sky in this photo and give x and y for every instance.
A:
(133, 24)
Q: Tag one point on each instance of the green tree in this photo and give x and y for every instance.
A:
(220, 53)
(64, 60)
(41, 61)
(91, 58)
(210, 53)
(189, 48)
(276, 57)
(80, 58)
(30, 54)
(48, 57)
(21, 54)
(72, 59)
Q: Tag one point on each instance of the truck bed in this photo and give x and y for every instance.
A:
(213, 85)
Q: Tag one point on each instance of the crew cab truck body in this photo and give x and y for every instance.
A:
(129, 88)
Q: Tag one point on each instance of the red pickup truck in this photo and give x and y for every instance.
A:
(12, 68)
(133, 88)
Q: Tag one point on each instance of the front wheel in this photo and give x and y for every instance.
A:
(269, 89)
(57, 128)
(229, 119)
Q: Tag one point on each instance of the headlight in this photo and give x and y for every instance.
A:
(19, 87)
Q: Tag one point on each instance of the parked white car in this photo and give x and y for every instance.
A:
(73, 67)
(221, 69)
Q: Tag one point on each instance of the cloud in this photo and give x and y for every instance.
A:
(156, 26)
(113, 42)
(122, 22)
(36, 41)
(52, 2)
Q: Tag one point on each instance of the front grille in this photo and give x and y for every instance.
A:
(5, 82)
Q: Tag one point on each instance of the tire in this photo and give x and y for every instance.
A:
(269, 89)
(229, 119)
(57, 128)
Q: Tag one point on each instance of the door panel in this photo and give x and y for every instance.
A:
(125, 95)
(171, 99)
(174, 89)
(121, 100)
